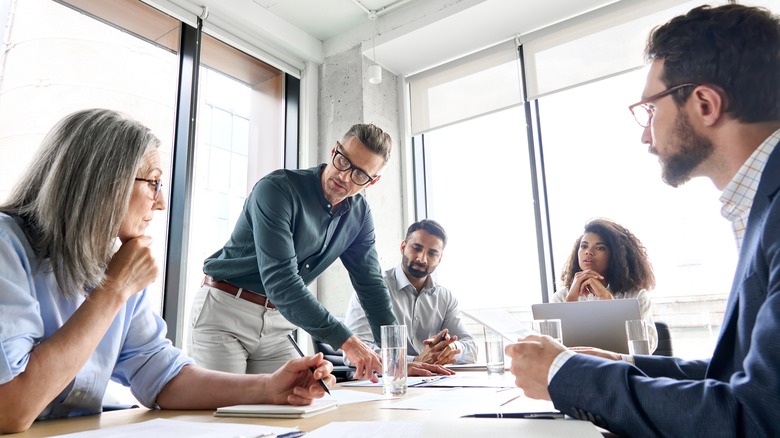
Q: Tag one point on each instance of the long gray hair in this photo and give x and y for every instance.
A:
(74, 195)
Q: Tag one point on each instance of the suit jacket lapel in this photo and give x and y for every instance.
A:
(767, 188)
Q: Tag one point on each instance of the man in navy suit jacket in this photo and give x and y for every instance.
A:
(710, 107)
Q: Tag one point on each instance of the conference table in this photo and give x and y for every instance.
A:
(444, 422)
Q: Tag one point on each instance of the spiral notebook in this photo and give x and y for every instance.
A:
(319, 406)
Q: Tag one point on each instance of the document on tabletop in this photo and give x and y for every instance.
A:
(410, 381)
(508, 325)
(378, 429)
(347, 396)
(456, 401)
(467, 367)
(515, 402)
(165, 428)
(456, 381)
(318, 406)
(470, 380)
(438, 428)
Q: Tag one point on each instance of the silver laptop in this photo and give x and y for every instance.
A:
(600, 324)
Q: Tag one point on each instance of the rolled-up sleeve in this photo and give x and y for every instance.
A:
(21, 325)
(147, 360)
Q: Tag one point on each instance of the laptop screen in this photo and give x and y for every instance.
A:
(598, 323)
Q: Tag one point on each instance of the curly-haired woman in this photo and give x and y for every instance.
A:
(608, 262)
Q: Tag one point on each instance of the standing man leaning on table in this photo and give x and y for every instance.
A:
(711, 107)
(437, 334)
(294, 225)
(75, 262)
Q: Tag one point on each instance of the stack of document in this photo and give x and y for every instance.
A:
(278, 411)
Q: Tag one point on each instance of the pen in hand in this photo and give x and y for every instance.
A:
(298, 349)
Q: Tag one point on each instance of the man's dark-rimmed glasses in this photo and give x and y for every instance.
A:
(643, 112)
(343, 164)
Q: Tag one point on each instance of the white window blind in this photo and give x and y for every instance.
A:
(596, 45)
(602, 43)
(477, 84)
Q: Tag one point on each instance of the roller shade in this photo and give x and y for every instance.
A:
(457, 91)
(596, 45)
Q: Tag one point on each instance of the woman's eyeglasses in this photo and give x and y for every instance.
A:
(156, 184)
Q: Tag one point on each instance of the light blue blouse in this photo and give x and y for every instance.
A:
(133, 352)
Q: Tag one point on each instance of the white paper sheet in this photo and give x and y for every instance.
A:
(347, 396)
(458, 401)
(165, 428)
(507, 380)
(375, 429)
(501, 321)
(467, 427)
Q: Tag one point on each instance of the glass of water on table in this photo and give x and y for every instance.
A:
(393, 359)
(638, 336)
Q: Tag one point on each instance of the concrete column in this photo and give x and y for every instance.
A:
(345, 98)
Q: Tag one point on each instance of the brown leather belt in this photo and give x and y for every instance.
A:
(238, 292)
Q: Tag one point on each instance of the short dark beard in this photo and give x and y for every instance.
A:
(693, 150)
(410, 269)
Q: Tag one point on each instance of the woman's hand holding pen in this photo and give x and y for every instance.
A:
(295, 382)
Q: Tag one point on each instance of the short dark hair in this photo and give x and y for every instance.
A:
(733, 47)
(376, 140)
(431, 227)
(629, 268)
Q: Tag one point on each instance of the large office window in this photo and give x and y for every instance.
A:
(589, 157)
(596, 166)
(476, 183)
(61, 56)
(58, 60)
(240, 138)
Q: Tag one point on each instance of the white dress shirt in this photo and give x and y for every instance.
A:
(424, 315)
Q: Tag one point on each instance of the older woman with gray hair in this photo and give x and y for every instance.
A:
(75, 311)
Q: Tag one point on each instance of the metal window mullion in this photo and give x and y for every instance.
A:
(182, 169)
(538, 186)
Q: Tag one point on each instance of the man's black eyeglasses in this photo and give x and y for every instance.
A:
(643, 112)
(342, 163)
(155, 183)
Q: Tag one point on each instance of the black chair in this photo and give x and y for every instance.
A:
(664, 339)
(342, 372)
(118, 407)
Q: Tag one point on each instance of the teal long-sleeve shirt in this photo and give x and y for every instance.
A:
(287, 236)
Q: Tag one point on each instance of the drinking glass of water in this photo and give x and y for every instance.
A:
(393, 359)
(549, 327)
(494, 352)
(638, 336)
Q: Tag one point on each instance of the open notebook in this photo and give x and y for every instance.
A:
(319, 406)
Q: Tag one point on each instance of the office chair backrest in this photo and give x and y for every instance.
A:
(664, 339)
(335, 356)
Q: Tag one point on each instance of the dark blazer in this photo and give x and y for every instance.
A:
(736, 393)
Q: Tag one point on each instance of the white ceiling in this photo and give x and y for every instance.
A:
(324, 19)
(411, 35)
